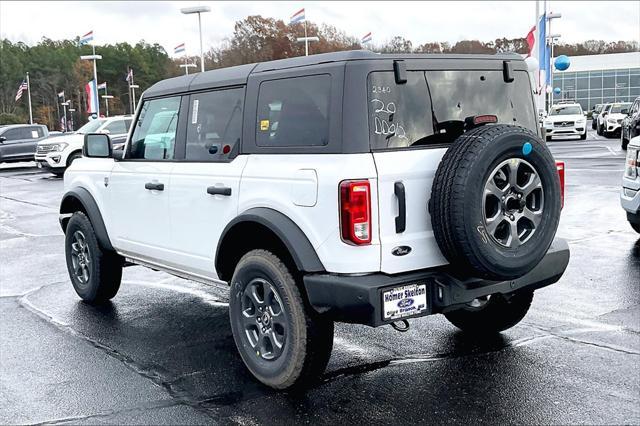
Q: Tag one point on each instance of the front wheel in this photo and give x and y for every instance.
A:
(491, 314)
(583, 136)
(95, 273)
(282, 341)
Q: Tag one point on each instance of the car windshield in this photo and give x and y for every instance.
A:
(91, 126)
(619, 108)
(566, 110)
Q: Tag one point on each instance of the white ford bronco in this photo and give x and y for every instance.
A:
(349, 186)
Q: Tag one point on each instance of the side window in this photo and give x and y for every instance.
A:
(154, 135)
(215, 124)
(116, 127)
(13, 134)
(294, 112)
(127, 124)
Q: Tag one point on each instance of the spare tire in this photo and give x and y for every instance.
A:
(495, 202)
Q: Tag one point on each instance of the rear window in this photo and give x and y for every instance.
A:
(432, 106)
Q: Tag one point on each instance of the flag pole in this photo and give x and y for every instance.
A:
(106, 99)
(306, 39)
(29, 93)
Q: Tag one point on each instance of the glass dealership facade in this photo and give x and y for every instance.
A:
(596, 87)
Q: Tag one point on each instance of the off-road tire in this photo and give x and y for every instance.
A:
(498, 314)
(456, 203)
(105, 267)
(307, 347)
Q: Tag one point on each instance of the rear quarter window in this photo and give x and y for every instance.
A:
(294, 112)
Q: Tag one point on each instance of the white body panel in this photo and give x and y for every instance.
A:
(416, 170)
(198, 218)
(141, 222)
(280, 182)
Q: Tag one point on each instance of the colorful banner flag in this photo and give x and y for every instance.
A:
(367, 38)
(179, 49)
(531, 41)
(297, 17)
(23, 86)
(544, 54)
(87, 38)
(92, 97)
(102, 86)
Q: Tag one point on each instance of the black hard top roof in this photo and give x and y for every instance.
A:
(238, 75)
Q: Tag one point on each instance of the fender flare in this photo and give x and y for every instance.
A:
(68, 206)
(296, 242)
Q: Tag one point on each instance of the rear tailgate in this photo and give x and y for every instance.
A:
(415, 171)
(411, 124)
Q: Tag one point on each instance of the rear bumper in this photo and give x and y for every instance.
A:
(358, 299)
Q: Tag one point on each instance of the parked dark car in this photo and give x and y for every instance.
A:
(630, 124)
(595, 111)
(18, 141)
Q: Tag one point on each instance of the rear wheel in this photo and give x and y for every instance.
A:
(282, 341)
(492, 314)
(95, 273)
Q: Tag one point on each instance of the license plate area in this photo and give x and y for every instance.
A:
(404, 301)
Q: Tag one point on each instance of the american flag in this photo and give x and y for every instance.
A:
(23, 87)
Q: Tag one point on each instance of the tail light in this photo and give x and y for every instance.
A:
(560, 167)
(355, 211)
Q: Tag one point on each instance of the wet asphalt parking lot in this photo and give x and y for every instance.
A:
(162, 351)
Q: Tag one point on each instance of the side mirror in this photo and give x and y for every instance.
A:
(2, 139)
(97, 145)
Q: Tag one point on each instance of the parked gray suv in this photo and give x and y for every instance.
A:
(18, 141)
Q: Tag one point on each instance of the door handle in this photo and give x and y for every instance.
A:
(219, 190)
(401, 219)
(153, 186)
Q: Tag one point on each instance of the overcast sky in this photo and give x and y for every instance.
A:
(162, 22)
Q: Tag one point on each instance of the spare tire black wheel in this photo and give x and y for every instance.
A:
(495, 202)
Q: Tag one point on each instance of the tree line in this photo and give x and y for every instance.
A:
(55, 66)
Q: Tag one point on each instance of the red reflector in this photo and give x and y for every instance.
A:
(481, 119)
(560, 167)
(226, 149)
(355, 211)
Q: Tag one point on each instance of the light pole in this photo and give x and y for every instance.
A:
(550, 39)
(106, 102)
(94, 57)
(64, 111)
(186, 67)
(198, 10)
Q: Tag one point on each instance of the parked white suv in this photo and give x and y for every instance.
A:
(566, 119)
(347, 186)
(630, 193)
(610, 120)
(58, 152)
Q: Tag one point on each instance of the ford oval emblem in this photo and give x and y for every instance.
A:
(405, 303)
(401, 251)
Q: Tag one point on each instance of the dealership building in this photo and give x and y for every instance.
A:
(597, 79)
